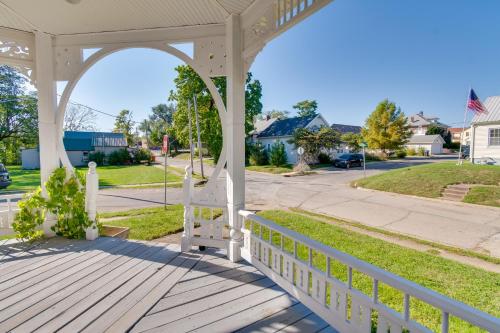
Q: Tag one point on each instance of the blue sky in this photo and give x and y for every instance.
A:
(422, 54)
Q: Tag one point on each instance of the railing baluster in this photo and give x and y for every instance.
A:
(406, 306)
(375, 291)
(445, 322)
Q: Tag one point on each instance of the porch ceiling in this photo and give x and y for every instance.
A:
(60, 17)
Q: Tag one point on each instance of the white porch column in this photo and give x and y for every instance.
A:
(236, 133)
(47, 108)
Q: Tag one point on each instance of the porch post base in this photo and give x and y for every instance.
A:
(234, 251)
(185, 244)
(91, 233)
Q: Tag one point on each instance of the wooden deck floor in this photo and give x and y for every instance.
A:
(117, 286)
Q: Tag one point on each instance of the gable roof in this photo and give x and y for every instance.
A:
(419, 119)
(492, 104)
(262, 124)
(425, 139)
(286, 127)
(346, 128)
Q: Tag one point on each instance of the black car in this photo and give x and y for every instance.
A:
(5, 180)
(348, 160)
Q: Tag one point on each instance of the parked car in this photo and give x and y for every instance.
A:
(5, 180)
(465, 151)
(348, 160)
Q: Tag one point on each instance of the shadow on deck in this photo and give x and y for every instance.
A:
(117, 286)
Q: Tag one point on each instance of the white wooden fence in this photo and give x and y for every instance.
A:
(276, 251)
(8, 209)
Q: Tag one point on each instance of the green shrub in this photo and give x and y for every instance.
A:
(277, 155)
(421, 151)
(401, 153)
(119, 157)
(98, 157)
(324, 158)
(257, 155)
(141, 155)
(411, 152)
(452, 145)
(65, 200)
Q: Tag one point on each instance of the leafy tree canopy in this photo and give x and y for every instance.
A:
(314, 141)
(275, 114)
(352, 140)
(306, 108)
(434, 129)
(124, 124)
(386, 128)
(187, 84)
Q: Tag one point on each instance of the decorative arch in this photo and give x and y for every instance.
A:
(160, 46)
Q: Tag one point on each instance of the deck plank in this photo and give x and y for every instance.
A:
(28, 309)
(278, 320)
(100, 294)
(117, 285)
(54, 272)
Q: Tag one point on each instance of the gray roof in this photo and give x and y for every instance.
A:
(346, 128)
(492, 104)
(285, 127)
(425, 139)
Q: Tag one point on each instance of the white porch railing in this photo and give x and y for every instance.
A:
(8, 209)
(206, 209)
(274, 251)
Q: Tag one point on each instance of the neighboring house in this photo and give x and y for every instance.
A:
(485, 133)
(283, 130)
(433, 144)
(419, 123)
(79, 145)
(344, 129)
(456, 135)
(259, 126)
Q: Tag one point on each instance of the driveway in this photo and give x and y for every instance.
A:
(328, 192)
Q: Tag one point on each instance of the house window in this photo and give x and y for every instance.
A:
(494, 137)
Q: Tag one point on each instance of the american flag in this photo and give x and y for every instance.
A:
(474, 104)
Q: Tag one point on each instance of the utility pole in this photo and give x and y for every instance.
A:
(200, 152)
(190, 136)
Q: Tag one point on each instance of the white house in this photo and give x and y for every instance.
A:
(485, 133)
(419, 123)
(433, 144)
(282, 130)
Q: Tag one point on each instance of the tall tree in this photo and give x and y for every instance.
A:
(275, 114)
(18, 116)
(79, 118)
(436, 129)
(352, 140)
(163, 113)
(306, 108)
(314, 141)
(187, 84)
(386, 128)
(145, 127)
(124, 124)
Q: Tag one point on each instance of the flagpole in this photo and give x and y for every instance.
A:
(460, 162)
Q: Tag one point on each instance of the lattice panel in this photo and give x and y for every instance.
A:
(17, 50)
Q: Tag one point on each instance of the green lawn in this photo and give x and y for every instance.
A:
(154, 222)
(22, 180)
(467, 284)
(429, 180)
(133, 175)
(149, 223)
(484, 195)
(270, 168)
(27, 180)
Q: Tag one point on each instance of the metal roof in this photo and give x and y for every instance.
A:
(492, 104)
(286, 127)
(87, 141)
(61, 17)
(425, 139)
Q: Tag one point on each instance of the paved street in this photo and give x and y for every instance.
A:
(328, 192)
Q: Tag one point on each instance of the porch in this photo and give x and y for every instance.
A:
(116, 285)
